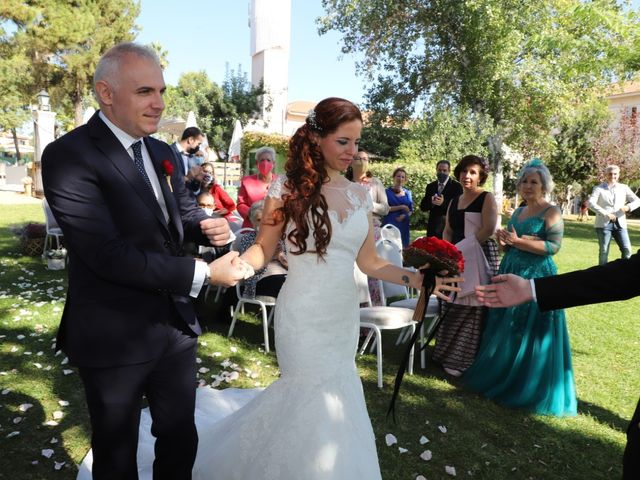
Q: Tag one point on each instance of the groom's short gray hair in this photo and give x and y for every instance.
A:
(107, 68)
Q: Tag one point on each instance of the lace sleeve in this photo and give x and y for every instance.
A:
(277, 188)
(554, 235)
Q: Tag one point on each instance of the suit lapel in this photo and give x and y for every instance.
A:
(169, 199)
(108, 144)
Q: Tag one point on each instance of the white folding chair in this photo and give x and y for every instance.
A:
(380, 318)
(391, 232)
(431, 316)
(261, 301)
(53, 231)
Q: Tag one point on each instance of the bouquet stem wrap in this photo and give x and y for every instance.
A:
(441, 256)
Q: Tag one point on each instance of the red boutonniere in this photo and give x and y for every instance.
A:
(167, 166)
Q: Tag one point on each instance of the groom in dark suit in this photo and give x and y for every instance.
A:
(604, 283)
(437, 197)
(128, 323)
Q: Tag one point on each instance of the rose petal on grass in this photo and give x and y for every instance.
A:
(426, 455)
(203, 369)
(390, 439)
(25, 406)
(47, 453)
(58, 465)
(13, 434)
(63, 403)
(50, 423)
(67, 372)
(233, 349)
(450, 470)
(402, 450)
(54, 440)
(423, 440)
(442, 428)
(17, 420)
(421, 477)
(57, 415)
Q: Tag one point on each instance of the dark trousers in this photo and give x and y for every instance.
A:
(631, 459)
(114, 398)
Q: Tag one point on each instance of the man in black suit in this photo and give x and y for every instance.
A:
(184, 150)
(437, 197)
(128, 323)
(604, 283)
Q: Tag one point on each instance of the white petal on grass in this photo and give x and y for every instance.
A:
(203, 369)
(63, 403)
(390, 439)
(25, 406)
(57, 415)
(17, 420)
(198, 360)
(423, 440)
(402, 450)
(58, 465)
(67, 372)
(54, 440)
(216, 354)
(14, 349)
(421, 477)
(450, 470)
(233, 349)
(426, 455)
(38, 365)
(442, 428)
(6, 391)
(47, 453)
(13, 434)
(65, 361)
(50, 423)
(20, 337)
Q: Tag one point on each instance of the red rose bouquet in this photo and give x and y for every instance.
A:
(440, 255)
(167, 166)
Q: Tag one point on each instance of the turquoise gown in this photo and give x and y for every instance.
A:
(524, 359)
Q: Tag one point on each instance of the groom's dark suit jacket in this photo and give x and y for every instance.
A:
(127, 275)
(616, 280)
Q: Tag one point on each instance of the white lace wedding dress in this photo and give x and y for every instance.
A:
(312, 422)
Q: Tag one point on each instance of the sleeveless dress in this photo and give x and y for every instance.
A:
(524, 359)
(458, 336)
(312, 422)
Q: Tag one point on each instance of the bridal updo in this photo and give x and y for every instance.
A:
(306, 173)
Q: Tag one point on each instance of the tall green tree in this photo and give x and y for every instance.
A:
(216, 107)
(524, 64)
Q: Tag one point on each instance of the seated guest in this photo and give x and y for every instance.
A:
(255, 187)
(268, 280)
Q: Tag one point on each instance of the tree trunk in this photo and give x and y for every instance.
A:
(77, 107)
(14, 133)
(495, 156)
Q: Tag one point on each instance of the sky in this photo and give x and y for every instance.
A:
(208, 34)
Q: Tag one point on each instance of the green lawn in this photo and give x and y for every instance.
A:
(482, 440)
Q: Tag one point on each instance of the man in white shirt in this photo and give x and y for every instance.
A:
(611, 201)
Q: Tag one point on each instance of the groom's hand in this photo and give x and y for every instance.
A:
(228, 270)
(505, 291)
(217, 231)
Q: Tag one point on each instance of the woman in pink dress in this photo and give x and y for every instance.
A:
(255, 187)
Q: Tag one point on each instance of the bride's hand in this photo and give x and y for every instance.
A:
(446, 284)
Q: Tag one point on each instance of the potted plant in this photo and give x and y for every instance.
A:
(56, 258)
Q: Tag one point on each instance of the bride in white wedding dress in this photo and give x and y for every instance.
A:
(311, 423)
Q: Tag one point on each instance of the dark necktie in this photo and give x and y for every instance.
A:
(137, 160)
(440, 188)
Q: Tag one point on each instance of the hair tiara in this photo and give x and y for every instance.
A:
(312, 122)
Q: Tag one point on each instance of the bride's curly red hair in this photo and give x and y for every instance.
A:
(306, 172)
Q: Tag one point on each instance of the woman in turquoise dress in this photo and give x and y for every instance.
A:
(524, 359)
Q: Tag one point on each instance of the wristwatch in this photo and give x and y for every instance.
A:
(207, 275)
